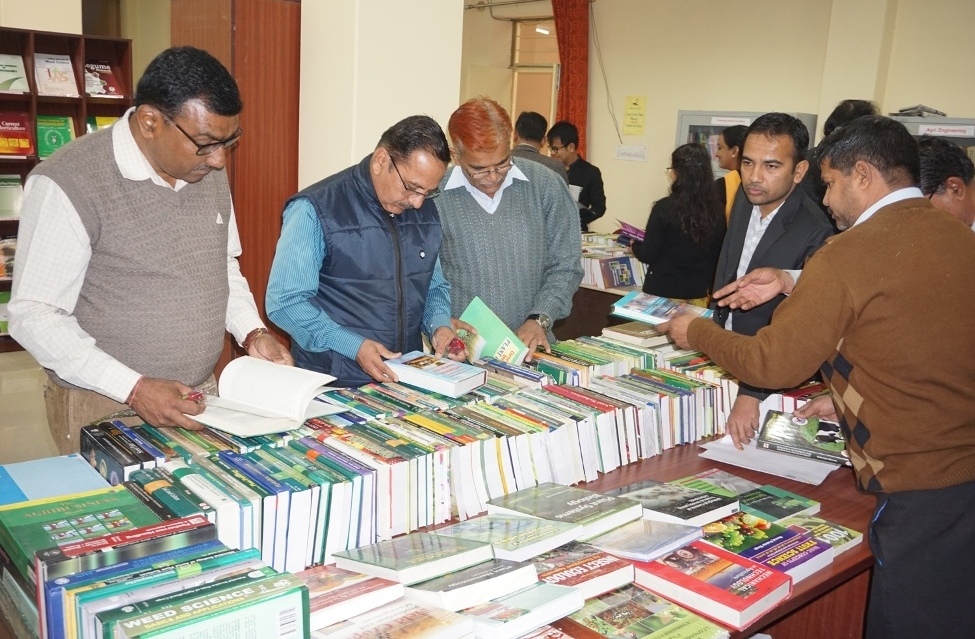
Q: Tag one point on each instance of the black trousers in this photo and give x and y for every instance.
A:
(923, 584)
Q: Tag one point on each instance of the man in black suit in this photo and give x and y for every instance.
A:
(773, 223)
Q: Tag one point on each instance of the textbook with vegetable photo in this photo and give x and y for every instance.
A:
(258, 397)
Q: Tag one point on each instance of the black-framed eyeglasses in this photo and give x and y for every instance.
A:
(428, 195)
(483, 173)
(555, 149)
(210, 147)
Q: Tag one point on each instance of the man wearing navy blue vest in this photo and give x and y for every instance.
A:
(356, 275)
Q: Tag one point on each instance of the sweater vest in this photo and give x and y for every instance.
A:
(377, 270)
(155, 290)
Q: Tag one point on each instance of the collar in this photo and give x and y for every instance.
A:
(526, 147)
(458, 178)
(131, 162)
(890, 198)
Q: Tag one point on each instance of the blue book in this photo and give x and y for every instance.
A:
(49, 477)
(54, 589)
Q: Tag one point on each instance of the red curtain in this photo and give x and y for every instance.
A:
(572, 29)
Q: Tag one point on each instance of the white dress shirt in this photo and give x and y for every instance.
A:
(53, 251)
(757, 225)
(490, 204)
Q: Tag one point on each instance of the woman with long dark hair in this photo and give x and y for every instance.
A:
(685, 230)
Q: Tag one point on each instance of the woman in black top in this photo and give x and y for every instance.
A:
(684, 232)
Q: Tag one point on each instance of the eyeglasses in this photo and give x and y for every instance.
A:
(429, 195)
(210, 147)
(483, 173)
(555, 149)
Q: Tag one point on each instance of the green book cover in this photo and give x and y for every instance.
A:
(594, 512)
(30, 526)
(11, 195)
(53, 132)
(774, 503)
(838, 536)
(514, 538)
(414, 557)
(493, 337)
(163, 490)
(13, 76)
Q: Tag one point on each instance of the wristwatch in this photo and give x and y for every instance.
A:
(543, 320)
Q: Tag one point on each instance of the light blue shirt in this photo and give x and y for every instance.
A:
(293, 283)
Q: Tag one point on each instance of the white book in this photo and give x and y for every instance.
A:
(13, 77)
(54, 75)
(437, 374)
(258, 397)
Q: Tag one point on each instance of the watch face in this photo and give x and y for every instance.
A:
(545, 321)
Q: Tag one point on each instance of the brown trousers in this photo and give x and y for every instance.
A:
(68, 409)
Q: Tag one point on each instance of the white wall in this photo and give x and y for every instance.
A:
(366, 64)
(61, 16)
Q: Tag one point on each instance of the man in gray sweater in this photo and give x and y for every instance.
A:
(510, 228)
(127, 275)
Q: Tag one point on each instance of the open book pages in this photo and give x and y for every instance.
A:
(258, 397)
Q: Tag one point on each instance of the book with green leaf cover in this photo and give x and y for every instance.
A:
(29, 526)
(514, 538)
(594, 512)
(806, 437)
(836, 535)
(414, 557)
(774, 503)
(53, 132)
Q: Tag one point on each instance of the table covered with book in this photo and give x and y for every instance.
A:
(402, 478)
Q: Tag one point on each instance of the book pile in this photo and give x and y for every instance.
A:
(611, 267)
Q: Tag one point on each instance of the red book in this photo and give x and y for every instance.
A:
(100, 80)
(16, 134)
(715, 583)
(583, 567)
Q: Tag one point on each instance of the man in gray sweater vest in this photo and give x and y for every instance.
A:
(127, 277)
(510, 228)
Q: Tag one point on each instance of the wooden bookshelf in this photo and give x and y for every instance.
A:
(25, 43)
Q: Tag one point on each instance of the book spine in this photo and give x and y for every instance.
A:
(114, 463)
(128, 445)
(142, 442)
(160, 487)
(149, 500)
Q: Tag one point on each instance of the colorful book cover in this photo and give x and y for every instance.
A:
(53, 132)
(98, 122)
(525, 610)
(739, 532)
(437, 374)
(493, 338)
(803, 437)
(55, 75)
(711, 581)
(108, 458)
(594, 512)
(16, 134)
(335, 595)
(13, 76)
(473, 585)
(100, 80)
(29, 526)
(676, 503)
(414, 557)
(631, 231)
(402, 619)
(514, 538)
(646, 539)
(838, 536)
(617, 271)
(48, 477)
(653, 309)
(631, 612)
(584, 567)
(794, 552)
(774, 503)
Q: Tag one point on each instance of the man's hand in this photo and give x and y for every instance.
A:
(162, 403)
(370, 357)
(743, 420)
(442, 337)
(676, 327)
(533, 335)
(755, 288)
(821, 407)
(266, 346)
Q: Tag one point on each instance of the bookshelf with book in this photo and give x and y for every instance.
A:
(52, 101)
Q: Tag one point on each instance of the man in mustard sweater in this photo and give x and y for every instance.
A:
(884, 311)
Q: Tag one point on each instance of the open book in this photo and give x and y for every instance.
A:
(258, 397)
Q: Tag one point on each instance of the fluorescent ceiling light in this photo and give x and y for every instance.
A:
(541, 30)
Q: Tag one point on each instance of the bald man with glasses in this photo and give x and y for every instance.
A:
(356, 277)
(511, 231)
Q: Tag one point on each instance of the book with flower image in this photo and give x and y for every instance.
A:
(653, 309)
(713, 582)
